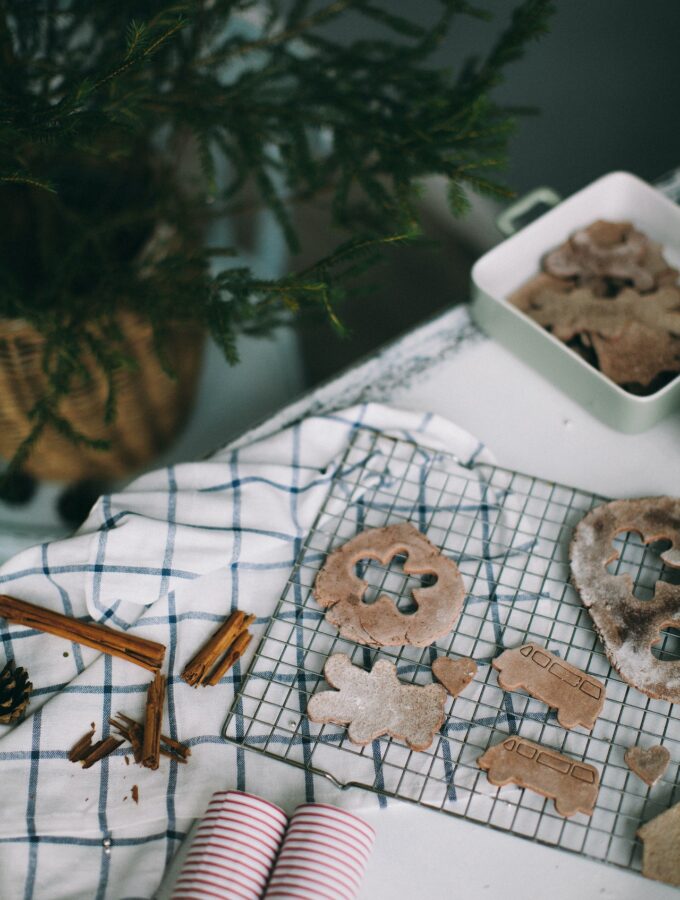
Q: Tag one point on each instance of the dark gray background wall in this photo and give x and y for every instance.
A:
(606, 82)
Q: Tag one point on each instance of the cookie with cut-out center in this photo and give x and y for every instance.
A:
(573, 785)
(341, 592)
(627, 626)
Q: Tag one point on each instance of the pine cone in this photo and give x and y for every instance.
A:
(15, 689)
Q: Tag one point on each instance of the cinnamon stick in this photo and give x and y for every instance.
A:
(151, 745)
(140, 651)
(82, 747)
(174, 749)
(235, 652)
(133, 732)
(196, 671)
(100, 750)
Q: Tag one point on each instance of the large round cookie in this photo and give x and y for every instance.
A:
(628, 626)
(340, 590)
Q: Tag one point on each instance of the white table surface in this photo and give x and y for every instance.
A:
(447, 366)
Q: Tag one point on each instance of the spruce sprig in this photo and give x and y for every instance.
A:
(99, 100)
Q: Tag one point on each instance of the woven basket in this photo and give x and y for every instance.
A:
(151, 406)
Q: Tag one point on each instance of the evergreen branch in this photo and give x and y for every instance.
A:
(135, 58)
(398, 24)
(18, 178)
(528, 22)
(289, 34)
(67, 430)
(357, 247)
(110, 363)
(45, 413)
(117, 154)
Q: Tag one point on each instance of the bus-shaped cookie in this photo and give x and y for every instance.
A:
(572, 785)
(578, 697)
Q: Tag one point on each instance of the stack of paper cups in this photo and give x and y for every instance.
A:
(233, 850)
(323, 856)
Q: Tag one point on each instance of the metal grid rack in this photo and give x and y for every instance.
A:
(509, 534)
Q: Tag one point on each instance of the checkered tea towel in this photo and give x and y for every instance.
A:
(168, 558)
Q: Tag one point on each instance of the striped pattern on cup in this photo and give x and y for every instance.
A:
(233, 850)
(323, 856)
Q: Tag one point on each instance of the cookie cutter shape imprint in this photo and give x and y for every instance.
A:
(627, 626)
(578, 697)
(340, 590)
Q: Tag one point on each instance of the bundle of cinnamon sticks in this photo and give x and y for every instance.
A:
(207, 667)
(134, 733)
(229, 642)
(87, 753)
(147, 742)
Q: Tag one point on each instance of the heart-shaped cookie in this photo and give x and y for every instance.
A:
(454, 674)
(648, 764)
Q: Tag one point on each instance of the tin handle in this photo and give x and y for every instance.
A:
(526, 209)
(669, 184)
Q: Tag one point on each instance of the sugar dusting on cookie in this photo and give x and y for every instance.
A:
(629, 627)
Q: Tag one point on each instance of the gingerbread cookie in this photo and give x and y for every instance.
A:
(340, 590)
(628, 627)
(611, 297)
(376, 703)
(612, 250)
(571, 784)
(639, 358)
(577, 697)
(636, 337)
(661, 839)
(454, 674)
(648, 764)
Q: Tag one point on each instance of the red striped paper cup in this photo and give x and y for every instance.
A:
(233, 850)
(323, 856)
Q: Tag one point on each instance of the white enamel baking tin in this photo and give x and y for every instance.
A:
(618, 196)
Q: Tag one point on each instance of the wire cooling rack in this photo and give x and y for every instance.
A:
(509, 534)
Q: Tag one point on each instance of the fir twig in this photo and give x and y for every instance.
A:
(163, 119)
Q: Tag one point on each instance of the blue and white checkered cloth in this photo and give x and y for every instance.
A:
(168, 559)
